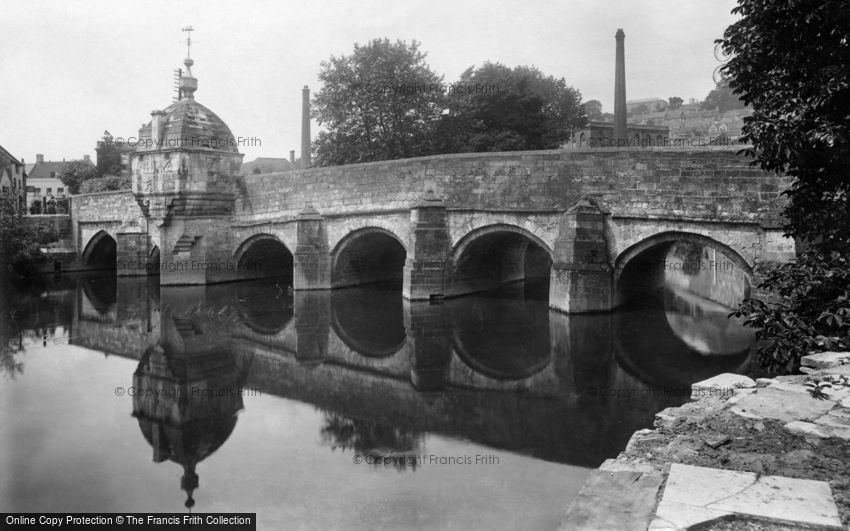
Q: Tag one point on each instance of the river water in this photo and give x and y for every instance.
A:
(350, 409)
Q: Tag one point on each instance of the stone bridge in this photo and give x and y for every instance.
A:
(592, 222)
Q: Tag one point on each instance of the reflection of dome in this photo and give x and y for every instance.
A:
(187, 445)
(186, 407)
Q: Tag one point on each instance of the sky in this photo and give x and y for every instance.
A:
(70, 70)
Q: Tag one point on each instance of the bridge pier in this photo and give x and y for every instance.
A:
(195, 251)
(581, 279)
(428, 249)
(312, 262)
(132, 254)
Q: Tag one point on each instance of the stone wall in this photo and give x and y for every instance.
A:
(711, 183)
(107, 211)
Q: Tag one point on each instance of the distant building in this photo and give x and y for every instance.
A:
(619, 133)
(43, 183)
(267, 165)
(601, 134)
(13, 181)
(649, 104)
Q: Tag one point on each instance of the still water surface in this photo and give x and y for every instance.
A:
(487, 411)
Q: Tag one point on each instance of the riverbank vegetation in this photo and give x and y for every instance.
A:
(789, 63)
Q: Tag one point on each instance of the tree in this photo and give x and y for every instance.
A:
(789, 63)
(507, 109)
(675, 102)
(106, 184)
(721, 99)
(381, 102)
(75, 173)
(593, 110)
(108, 159)
(19, 244)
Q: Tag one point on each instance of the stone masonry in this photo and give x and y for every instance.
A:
(588, 212)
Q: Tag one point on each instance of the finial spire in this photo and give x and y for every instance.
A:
(188, 30)
(188, 82)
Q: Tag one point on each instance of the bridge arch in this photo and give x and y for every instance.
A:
(368, 255)
(644, 264)
(495, 255)
(101, 252)
(264, 255)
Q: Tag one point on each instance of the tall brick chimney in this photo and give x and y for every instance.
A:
(620, 132)
(305, 127)
(39, 158)
(292, 156)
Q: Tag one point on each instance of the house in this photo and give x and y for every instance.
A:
(13, 181)
(43, 182)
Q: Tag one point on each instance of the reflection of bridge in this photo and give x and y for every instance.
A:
(438, 377)
(573, 393)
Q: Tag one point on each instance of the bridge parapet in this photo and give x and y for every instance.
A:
(711, 183)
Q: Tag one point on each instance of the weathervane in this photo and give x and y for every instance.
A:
(188, 30)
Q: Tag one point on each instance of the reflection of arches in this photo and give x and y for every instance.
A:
(369, 255)
(101, 252)
(153, 261)
(101, 292)
(646, 347)
(495, 255)
(505, 338)
(264, 255)
(641, 267)
(264, 306)
(704, 325)
(369, 322)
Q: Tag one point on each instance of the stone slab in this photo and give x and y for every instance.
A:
(764, 382)
(779, 404)
(722, 385)
(625, 464)
(818, 429)
(697, 494)
(613, 500)
(825, 360)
